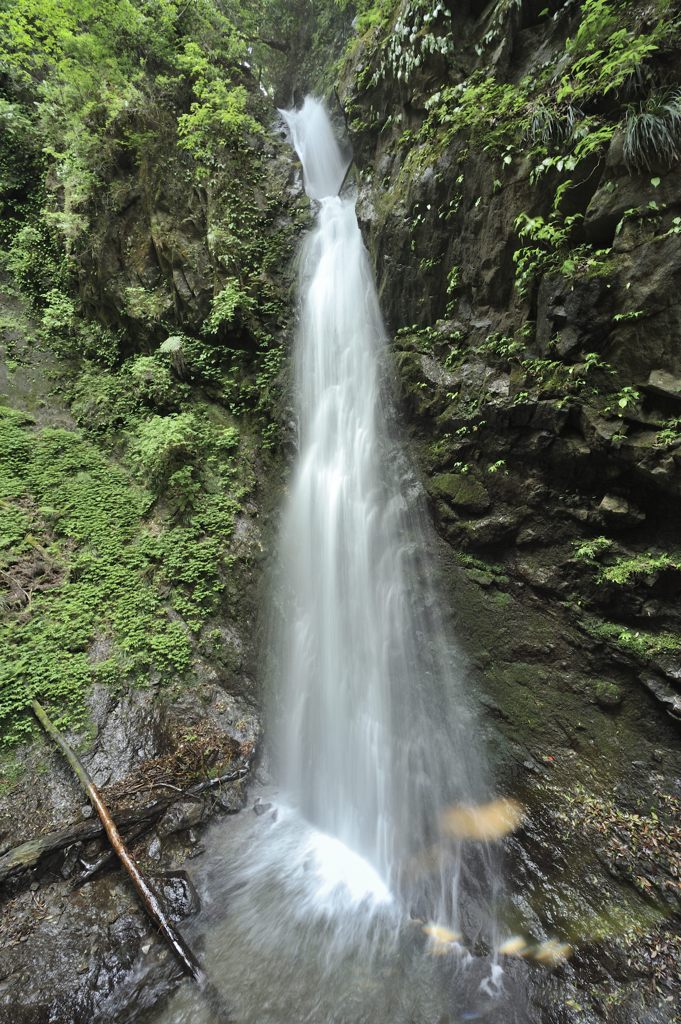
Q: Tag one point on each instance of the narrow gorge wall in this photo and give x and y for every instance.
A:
(526, 236)
(149, 221)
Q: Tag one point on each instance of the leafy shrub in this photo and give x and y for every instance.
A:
(144, 305)
(609, 51)
(31, 259)
(625, 570)
(101, 400)
(165, 444)
(652, 132)
(230, 300)
(153, 382)
(591, 550)
(59, 315)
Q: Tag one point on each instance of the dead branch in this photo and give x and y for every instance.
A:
(148, 897)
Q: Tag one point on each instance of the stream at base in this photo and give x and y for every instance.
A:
(296, 928)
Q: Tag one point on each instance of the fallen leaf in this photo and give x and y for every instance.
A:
(515, 946)
(552, 952)
(440, 934)
(485, 821)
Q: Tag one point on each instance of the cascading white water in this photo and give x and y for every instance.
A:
(374, 733)
(314, 910)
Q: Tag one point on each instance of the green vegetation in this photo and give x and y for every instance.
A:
(591, 550)
(92, 570)
(115, 537)
(652, 132)
(608, 50)
(629, 570)
(642, 643)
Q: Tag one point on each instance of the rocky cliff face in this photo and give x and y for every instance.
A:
(519, 191)
(144, 327)
(526, 242)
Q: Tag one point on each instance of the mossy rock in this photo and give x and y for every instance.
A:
(608, 695)
(461, 490)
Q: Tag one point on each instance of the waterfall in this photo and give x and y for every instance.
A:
(373, 732)
(316, 907)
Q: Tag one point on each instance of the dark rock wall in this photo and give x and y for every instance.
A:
(543, 415)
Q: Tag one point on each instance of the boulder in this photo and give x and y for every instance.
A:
(608, 695)
(665, 384)
(619, 512)
(493, 529)
(669, 698)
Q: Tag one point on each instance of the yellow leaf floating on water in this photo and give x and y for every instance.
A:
(515, 946)
(440, 949)
(440, 934)
(552, 952)
(484, 822)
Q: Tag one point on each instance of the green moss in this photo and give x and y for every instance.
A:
(461, 490)
(81, 573)
(643, 643)
(608, 695)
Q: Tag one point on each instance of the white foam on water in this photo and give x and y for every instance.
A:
(343, 875)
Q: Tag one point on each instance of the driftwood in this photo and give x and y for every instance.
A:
(29, 854)
(148, 897)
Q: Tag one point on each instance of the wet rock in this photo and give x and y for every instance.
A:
(231, 799)
(177, 893)
(670, 665)
(540, 574)
(493, 529)
(664, 693)
(70, 860)
(130, 730)
(181, 816)
(571, 318)
(665, 384)
(549, 415)
(597, 430)
(261, 808)
(154, 849)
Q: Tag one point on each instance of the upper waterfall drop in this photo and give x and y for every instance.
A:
(324, 164)
(373, 732)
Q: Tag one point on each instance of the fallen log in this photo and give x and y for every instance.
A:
(29, 854)
(148, 897)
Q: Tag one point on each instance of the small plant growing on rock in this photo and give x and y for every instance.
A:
(165, 444)
(670, 434)
(652, 132)
(627, 398)
(591, 550)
